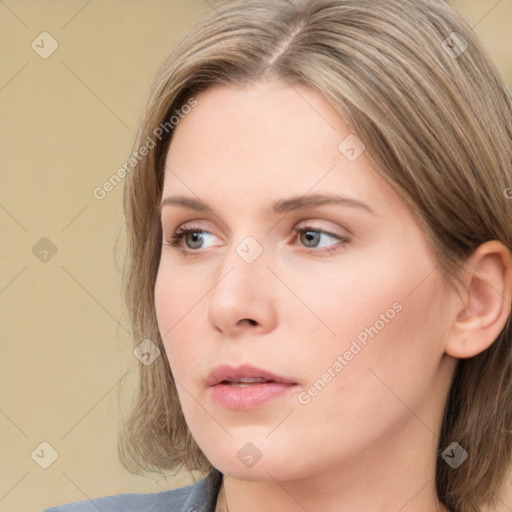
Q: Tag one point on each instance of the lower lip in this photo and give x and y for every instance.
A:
(248, 397)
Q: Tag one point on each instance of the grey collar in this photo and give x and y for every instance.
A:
(203, 497)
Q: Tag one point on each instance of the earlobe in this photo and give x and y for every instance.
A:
(485, 302)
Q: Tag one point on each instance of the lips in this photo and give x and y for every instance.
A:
(245, 375)
(247, 388)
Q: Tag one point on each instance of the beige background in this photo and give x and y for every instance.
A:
(68, 123)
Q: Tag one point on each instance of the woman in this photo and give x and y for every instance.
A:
(320, 247)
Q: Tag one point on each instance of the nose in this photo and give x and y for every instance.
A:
(243, 297)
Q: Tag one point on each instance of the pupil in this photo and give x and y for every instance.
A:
(195, 236)
(311, 235)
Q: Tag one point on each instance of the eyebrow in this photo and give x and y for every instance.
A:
(281, 206)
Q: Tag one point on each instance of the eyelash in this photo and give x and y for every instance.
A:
(177, 236)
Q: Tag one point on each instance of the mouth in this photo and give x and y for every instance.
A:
(243, 376)
(247, 387)
(244, 382)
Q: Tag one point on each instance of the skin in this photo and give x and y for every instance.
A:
(368, 440)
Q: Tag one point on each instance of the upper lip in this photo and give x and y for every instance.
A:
(229, 373)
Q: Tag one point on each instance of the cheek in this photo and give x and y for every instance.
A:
(349, 295)
(175, 304)
(388, 320)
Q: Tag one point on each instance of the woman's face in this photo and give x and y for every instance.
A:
(351, 313)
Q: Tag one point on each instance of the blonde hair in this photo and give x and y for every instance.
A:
(436, 119)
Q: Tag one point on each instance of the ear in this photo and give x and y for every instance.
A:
(486, 301)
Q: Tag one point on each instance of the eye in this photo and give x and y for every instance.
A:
(311, 238)
(182, 233)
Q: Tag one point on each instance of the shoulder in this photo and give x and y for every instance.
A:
(198, 497)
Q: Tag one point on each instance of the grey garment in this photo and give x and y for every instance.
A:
(198, 497)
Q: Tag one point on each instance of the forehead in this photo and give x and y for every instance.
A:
(266, 139)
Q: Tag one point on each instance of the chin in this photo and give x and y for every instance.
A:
(274, 466)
